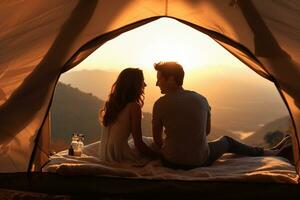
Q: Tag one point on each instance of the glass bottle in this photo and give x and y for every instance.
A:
(74, 142)
(80, 143)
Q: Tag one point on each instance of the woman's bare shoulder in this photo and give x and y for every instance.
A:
(134, 106)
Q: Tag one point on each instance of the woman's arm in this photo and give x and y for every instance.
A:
(135, 120)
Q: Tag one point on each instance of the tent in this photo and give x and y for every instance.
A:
(40, 40)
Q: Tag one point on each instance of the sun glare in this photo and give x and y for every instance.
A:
(182, 53)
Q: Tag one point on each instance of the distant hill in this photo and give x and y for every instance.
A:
(218, 132)
(97, 82)
(283, 125)
(75, 111)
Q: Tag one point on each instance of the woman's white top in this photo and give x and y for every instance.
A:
(115, 146)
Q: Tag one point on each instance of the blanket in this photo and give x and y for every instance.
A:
(228, 168)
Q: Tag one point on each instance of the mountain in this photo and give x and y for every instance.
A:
(97, 82)
(282, 124)
(216, 133)
(75, 111)
(239, 102)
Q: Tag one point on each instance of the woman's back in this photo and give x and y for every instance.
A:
(114, 140)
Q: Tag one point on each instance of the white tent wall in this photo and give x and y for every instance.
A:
(38, 38)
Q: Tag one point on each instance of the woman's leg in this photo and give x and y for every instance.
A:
(227, 144)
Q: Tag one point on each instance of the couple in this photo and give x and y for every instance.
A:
(181, 115)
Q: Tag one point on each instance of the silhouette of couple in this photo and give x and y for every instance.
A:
(180, 124)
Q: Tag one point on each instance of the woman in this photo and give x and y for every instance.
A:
(121, 117)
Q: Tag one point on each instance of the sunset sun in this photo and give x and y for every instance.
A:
(164, 50)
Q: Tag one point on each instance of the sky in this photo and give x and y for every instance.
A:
(162, 40)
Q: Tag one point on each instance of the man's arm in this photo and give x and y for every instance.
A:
(208, 123)
(157, 130)
(136, 129)
(157, 127)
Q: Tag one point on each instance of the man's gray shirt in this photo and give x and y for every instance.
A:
(183, 115)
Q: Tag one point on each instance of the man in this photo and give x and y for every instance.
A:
(184, 117)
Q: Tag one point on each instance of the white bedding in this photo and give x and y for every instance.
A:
(227, 168)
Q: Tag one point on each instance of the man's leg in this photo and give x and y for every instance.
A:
(227, 144)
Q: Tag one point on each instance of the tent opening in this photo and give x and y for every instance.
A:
(244, 105)
(42, 41)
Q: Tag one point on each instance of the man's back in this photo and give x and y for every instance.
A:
(184, 117)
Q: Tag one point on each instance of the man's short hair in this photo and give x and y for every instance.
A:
(168, 69)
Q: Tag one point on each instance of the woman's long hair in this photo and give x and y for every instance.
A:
(129, 87)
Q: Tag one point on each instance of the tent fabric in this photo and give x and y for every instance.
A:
(40, 39)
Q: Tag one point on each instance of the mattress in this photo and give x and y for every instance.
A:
(228, 168)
